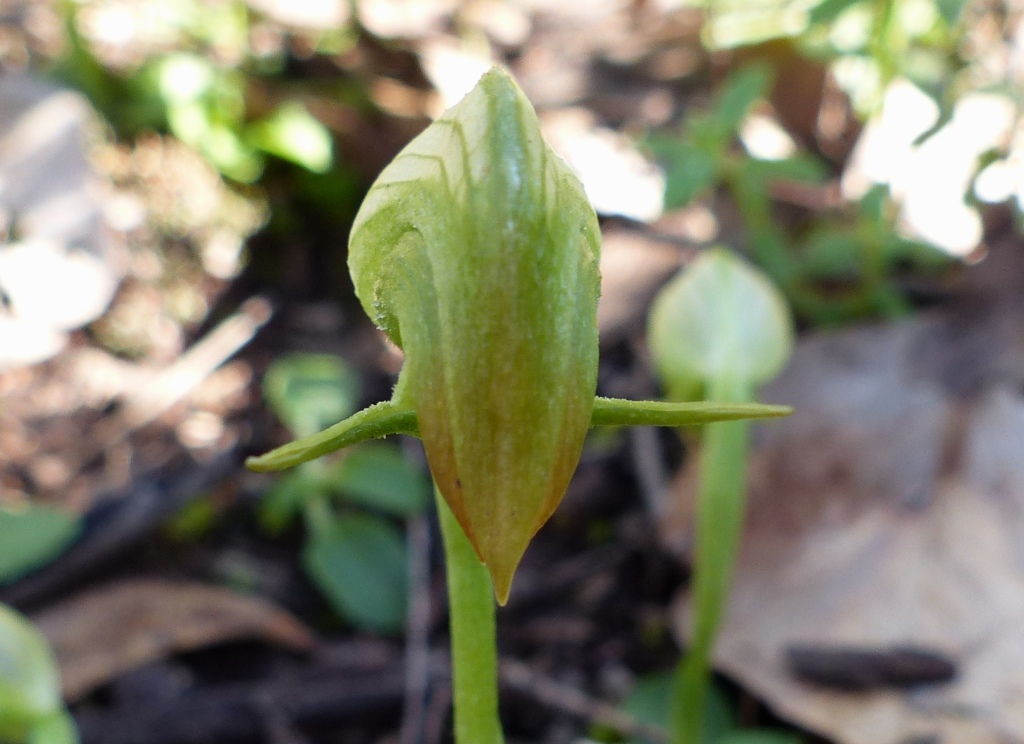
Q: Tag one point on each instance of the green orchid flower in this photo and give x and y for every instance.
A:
(476, 251)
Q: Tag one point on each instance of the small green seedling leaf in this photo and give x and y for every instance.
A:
(799, 168)
(32, 537)
(689, 170)
(284, 500)
(831, 252)
(828, 10)
(194, 519)
(29, 683)
(760, 736)
(379, 477)
(309, 392)
(741, 91)
(719, 317)
(183, 78)
(293, 134)
(359, 563)
(951, 10)
(651, 703)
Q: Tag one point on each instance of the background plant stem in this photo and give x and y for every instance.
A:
(473, 639)
(720, 508)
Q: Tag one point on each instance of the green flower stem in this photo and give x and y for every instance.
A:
(720, 509)
(473, 634)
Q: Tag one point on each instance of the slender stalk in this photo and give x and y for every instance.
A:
(720, 508)
(474, 642)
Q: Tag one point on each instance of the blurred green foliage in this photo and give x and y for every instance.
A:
(835, 267)
(33, 536)
(197, 83)
(868, 42)
(353, 552)
(651, 703)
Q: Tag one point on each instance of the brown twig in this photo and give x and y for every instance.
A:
(436, 714)
(651, 475)
(155, 395)
(575, 702)
(237, 712)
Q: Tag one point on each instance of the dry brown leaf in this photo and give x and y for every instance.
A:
(889, 511)
(106, 632)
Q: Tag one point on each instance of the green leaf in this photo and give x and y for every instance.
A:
(651, 703)
(193, 520)
(651, 700)
(950, 10)
(476, 251)
(719, 317)
(31, 538)
(736, 23)
(183, 78)
(293, 134)
(831, 252)
(285, 498)
(226, 151)
(917, 255)
(380, 477)
(309, 392)
(689, 171)
(29, 681)
(359, 563)
(801, 168)
(828, 10)
(741, 90)
(760, 736)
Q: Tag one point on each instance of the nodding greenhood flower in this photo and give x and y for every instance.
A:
(476, 251)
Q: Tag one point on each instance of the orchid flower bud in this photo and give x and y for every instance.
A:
(476, 251)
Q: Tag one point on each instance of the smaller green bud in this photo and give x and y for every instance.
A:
(718, 318)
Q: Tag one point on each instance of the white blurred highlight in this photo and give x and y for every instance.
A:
(930, 178)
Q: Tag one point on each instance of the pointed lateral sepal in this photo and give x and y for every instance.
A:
(621, 412)
(377, 421)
